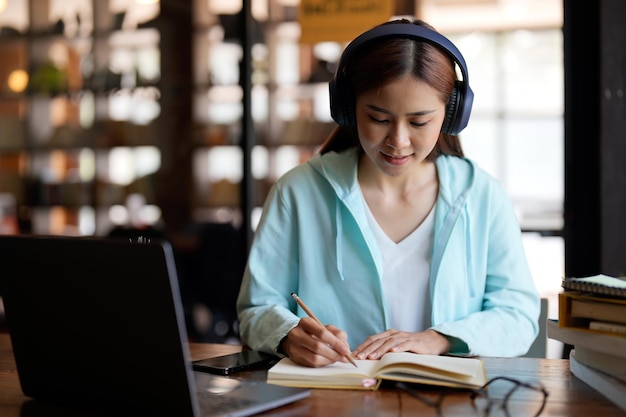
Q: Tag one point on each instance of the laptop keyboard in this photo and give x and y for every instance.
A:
(221, 404)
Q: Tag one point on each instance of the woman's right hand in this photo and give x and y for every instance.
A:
(312, 344)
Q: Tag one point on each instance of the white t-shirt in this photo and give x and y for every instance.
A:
(406, 271)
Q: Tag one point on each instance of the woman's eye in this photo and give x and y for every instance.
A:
(416, 124)
(375, 120)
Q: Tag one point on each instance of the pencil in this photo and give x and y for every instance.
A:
(310, 314)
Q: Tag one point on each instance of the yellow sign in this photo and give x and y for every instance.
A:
(341, 20)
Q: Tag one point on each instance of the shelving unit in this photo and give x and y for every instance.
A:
(67, 152)
(288, 125)
(104, 114)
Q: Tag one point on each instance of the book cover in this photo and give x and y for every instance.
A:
(578, 309)
(597, 284)
(612, 388)
(447, 371)
(611, 364)
(599, 310)
(613, 344)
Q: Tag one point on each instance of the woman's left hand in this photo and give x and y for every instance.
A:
(428, 341)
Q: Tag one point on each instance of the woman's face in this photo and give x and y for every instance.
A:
(399, 124)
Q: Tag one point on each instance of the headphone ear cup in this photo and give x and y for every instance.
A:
(451, 122)
(350, 111)
(341, 103)
(334, 101)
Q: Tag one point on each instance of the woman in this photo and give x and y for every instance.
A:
(389, 234)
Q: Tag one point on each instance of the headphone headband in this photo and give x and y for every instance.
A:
(458, 109)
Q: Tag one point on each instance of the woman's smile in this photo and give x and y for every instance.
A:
(396, 160)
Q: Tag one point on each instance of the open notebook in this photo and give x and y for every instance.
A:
(436, 370)
(98, 323)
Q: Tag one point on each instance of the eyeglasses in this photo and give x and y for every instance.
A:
(500, 396)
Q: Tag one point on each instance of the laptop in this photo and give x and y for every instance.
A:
(98, 323)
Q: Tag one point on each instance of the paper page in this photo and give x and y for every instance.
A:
(287, 369)
(453, 366)
(603, 280)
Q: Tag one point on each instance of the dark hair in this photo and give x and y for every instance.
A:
(386, 60)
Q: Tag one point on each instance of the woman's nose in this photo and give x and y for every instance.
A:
(398, 136)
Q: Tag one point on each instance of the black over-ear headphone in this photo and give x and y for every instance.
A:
(342, 100)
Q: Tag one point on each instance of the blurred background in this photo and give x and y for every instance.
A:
(172, 119)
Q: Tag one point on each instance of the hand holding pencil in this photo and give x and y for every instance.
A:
(314, 317)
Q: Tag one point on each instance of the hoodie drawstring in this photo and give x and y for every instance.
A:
(339, 240)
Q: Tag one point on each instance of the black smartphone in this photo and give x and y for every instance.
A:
(235, 362)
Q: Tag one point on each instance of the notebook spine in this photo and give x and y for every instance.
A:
(594, 288)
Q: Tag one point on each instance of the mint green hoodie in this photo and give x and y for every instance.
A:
(313, 239)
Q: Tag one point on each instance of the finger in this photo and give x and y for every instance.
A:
(332, 336)
(370, 344)
(299, 353)
(391, 344)
(377, 345)
(340, 334)
(317, 339)
(340, 343)
(385, 345)
(311, 326)
(304, 356)
(338, 347)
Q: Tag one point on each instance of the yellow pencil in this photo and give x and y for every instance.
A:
(310, 314)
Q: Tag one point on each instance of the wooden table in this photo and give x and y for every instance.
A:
(568, 396)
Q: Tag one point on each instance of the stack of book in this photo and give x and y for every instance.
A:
(592, 319)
